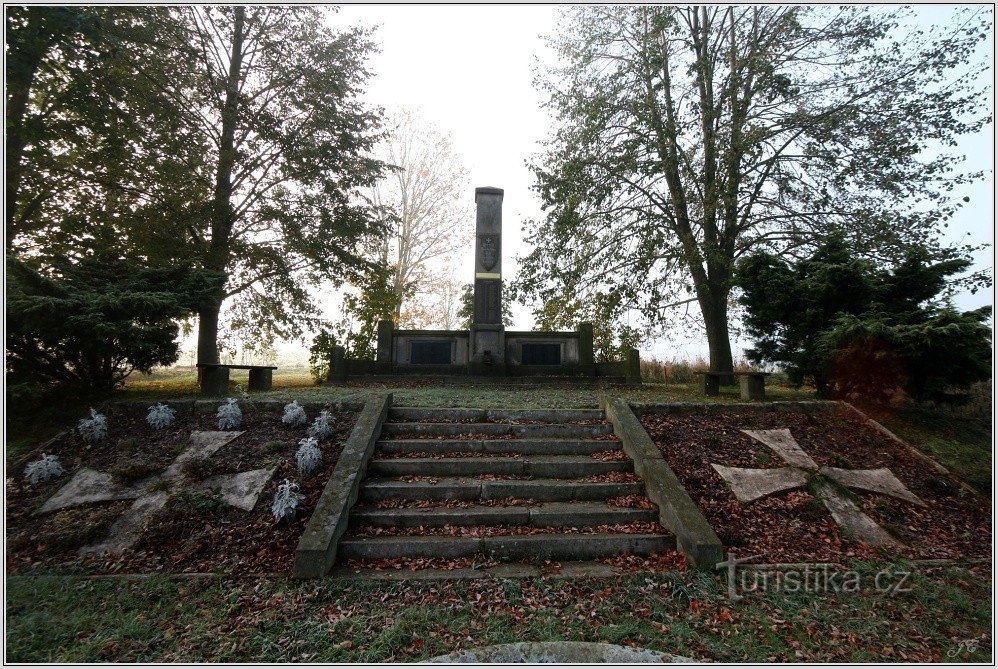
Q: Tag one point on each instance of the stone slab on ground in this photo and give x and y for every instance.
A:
(89, 486)
(880, 481)
(853, 521)
(752, 484)
(202, 445)
(241, 490)
(559, 652)
(126, 529)
(783, 443)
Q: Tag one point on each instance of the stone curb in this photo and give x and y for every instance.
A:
(540, 446)
(677, 511)
(545, 514)
(316, 550)
(549, 430)
(549, 546)
(430, 414)
(187, 407)
(561, 467)
(641, 408)
(924, 457)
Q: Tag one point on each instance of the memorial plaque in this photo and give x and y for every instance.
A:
(488, 301)
(430, 353)
(540, 354)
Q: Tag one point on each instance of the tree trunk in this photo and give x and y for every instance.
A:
(222, 213)
(208, 330)
(714, 307)
(21, 76)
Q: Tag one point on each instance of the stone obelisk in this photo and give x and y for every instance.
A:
(488, 343)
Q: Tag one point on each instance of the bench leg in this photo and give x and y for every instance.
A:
(214, 381)
(711, 386)
(261, 379)
(753, 387)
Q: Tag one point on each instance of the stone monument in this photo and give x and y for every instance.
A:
(487, 348)
(488, 341)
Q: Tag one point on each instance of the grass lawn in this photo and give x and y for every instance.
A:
(162, 619)
(69, 618)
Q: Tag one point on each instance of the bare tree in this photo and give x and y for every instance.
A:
(426, 199)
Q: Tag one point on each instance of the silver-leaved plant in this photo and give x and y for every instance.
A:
(308, 456)
(294, 414)
(322, 427)
(45, 468)
(160, 416)
(229, 414)
(93, 429)
(286, 501)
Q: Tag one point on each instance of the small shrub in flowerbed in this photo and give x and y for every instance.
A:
(795, 526)
(199, 535)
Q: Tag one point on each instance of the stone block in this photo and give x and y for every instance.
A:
(632, 370)
(752, 387)
(214, 381)
(260, 379)
(337, 365)
(679, 513)
(586, 353)
(316, 550)
(677, 510)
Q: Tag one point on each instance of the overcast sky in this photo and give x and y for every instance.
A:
(469, 71)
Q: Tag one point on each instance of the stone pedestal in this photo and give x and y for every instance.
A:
(214, 381)
(260, 379)
(383, 361)
(632, 371)
(753, 386)
(587, 358)
(488, 349)
(337, 365)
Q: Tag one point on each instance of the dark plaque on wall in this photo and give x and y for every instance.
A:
(430, 353)
(540, 354)
(488, 296)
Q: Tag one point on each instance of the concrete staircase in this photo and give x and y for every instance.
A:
(449, 483)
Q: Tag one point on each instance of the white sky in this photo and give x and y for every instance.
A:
(467, 69)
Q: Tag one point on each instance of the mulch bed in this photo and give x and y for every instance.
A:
(794, 526)
(186, 536)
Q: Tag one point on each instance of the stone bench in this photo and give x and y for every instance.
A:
(215, 378)
(752, 384)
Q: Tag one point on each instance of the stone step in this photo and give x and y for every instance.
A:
(551, 466)
(432, 415)
(522, 446)
(545, 546)
(469, 489)
(561, 430)
(548, 514)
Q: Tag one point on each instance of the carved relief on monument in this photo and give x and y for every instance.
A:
(489, 251)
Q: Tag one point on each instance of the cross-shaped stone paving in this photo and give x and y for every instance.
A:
(88, 486)
(751, 484)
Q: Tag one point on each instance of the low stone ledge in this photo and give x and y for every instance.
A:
(641, 408)
(677, 511)
(316, 550)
